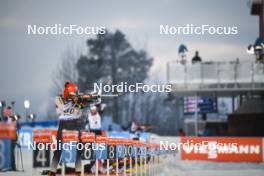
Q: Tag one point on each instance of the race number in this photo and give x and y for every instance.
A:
(101, 152)
(41, 158)
(130, 151)
(120, 151)
(135, 151)
(88, 152)
(111, 151)
(69, 152)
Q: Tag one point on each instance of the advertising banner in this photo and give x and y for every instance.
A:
(233, 149)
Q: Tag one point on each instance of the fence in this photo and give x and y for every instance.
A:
(136, 157)
(130, 157)
(216, 75)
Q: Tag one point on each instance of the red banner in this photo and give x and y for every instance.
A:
(233, 149)
(7, 130)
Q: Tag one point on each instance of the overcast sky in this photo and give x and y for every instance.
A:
(27, 61)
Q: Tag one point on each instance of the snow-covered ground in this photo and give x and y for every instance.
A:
(175, 167)
(170, 165)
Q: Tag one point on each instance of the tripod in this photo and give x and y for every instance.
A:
(19, 151)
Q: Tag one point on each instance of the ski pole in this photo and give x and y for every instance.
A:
(145, 165)
(149, 165)
(124, 154)
(130, 163)
(63, 169)
(124, 166)
(153, 165)
(21, 158)
(82, 168)
(130, 159)
(140, 165)
(117, 166)
(153, 160)
(107, 167)
(136, 167)
(96, 168)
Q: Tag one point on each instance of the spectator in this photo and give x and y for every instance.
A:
(196, 58)
(8, 114)
(207, 131)
(181, 132)
(9, 118)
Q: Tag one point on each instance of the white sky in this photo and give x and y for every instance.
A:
(27, 62)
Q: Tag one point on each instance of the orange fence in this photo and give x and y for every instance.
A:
(225, 149)
(8, 131)
(134, 155)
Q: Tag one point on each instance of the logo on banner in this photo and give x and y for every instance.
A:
(223, 149)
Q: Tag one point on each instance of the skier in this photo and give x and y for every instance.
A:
(94, 120)
(135, 129)
(69, 106)
(95, 126)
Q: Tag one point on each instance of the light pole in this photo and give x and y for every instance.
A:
(32, 117)
(2, 106)
(1, 110)
(13, 107)
(27, 106)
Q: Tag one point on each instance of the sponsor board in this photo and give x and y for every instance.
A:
(233, 149)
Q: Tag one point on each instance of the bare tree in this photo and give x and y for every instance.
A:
(66, 70)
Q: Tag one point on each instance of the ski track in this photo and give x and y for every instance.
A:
(170, 165)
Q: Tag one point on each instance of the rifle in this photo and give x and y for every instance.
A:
(85, 99)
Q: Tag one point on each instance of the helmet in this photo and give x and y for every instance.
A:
(70, 89)
(93, 110)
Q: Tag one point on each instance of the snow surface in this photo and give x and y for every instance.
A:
(170, 165)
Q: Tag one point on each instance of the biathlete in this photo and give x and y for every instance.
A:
(70, 107)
